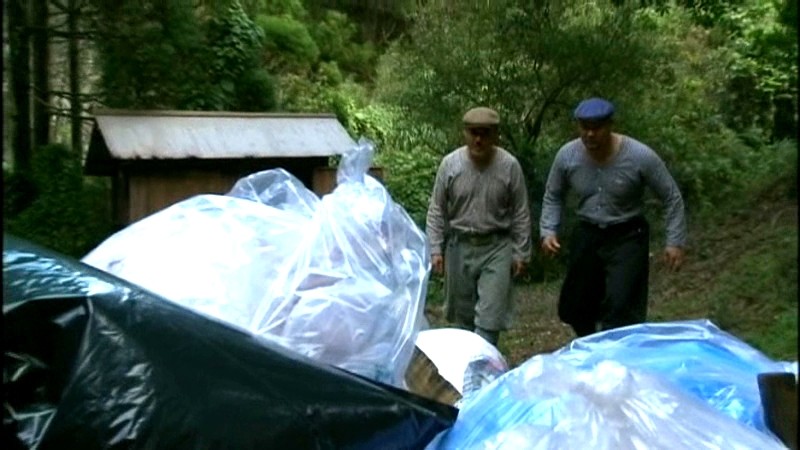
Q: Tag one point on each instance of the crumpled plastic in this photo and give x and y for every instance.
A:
(548, 403)
(341, 279)
(467, 361)
(694, 355)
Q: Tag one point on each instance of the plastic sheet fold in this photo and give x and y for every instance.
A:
(548, 403)
(467, 361)
(695, 356)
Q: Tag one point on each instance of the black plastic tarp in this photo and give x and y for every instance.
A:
(92, 361)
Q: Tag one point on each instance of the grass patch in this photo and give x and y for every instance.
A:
(756, 299)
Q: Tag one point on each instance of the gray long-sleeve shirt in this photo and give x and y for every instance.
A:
(469, 200)
(612, 192)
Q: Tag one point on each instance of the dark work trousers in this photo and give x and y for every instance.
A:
(606, 282)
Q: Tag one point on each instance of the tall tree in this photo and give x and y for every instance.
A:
(19, 56)
(41, 73)
(76, 121)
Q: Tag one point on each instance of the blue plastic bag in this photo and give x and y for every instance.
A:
(649, 386)
(696, 356)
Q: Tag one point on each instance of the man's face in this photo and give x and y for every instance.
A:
(595, 135)
(480, 142)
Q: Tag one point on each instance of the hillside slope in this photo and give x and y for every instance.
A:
(740, 273)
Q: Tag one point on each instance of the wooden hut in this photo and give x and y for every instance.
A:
(157, 158)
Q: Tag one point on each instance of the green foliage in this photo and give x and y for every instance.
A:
(289, 8)
(288, 43)
(255, 91)
(148, 52)
(531, 61)
(162, 55)
(19, 192)
(235, 44)
(528, 62)
(762, 73)
(68, 213)
(234, 41)
(318, 59)
(708, 13)
(788, 14)
(677, 110)
(337, 38)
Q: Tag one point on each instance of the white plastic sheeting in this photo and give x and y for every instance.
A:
(340, 279)
(467, 361)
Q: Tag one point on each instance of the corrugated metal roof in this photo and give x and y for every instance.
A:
(210, 135)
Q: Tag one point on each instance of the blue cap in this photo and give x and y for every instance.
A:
(594, 109)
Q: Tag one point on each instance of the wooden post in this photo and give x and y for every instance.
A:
(779, 398)
(324, 179)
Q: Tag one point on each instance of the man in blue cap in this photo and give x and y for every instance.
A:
(608, 259)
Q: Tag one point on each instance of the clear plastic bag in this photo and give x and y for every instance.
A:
(341, 279)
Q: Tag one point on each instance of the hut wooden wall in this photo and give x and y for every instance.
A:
(143, 188)
(151, 192)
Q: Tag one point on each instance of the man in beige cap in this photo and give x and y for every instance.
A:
(479, 227)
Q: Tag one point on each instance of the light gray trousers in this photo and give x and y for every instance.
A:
(478, 284)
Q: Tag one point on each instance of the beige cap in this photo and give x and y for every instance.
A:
(481, 117)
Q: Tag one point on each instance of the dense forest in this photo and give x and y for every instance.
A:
(711, 85)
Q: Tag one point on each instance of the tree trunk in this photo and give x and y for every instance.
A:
(784, 118)
(19, 52)
(41, 75)
(76, 129)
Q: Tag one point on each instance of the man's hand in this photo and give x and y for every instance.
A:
(437, 261)
(673, 257)
(518, 268)
(550, 245)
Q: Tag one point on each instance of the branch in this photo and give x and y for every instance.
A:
(62, 94)
(59, 111)
(535, 128)
(86, 34)
(79, 5)
(60, 5)
(68, 114)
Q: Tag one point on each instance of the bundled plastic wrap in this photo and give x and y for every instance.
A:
(548, 403)
(695, 356)
(340, 279)
(92, 361)
(467, 361)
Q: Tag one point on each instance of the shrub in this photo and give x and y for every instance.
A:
(68, 214)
